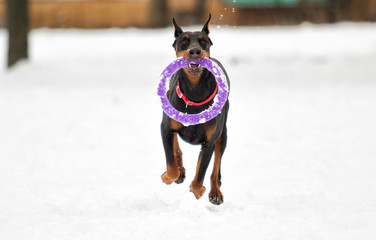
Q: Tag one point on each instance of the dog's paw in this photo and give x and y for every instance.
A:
(216, 197)
(180, 179)
(197, 191)
(167, 179)
(181, 176)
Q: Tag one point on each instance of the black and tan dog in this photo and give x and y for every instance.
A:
(192, 90)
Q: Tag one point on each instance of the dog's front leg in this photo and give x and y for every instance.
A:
(172, 174)
(206, 153)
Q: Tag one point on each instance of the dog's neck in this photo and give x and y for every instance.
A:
(197, 88)
(194, 79)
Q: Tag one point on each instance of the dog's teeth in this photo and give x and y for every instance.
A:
(194, 65)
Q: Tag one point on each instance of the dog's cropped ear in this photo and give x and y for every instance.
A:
(178, 30)
(205, 29)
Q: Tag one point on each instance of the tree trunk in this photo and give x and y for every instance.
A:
(159, 16)
(200, 14)
(18, 28)
(332, 10)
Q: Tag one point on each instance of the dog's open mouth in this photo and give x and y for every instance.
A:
(194, 68)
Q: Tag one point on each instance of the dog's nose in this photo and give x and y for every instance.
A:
(195, 53)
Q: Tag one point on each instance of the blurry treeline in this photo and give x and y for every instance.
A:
(158, 13)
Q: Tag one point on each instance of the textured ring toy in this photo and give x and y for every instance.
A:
(206, 115)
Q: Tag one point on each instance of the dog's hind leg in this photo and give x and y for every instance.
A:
(215, 195)
(206, 153)
(178, 157)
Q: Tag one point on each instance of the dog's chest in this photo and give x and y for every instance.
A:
(193, 134)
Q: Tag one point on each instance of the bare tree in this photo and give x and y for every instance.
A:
(332, 10)
(18, 28)
(200, 10)
(159, 16)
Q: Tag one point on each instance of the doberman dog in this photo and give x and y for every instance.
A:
(198, 86)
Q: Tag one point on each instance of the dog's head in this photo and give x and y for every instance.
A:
(192, 45)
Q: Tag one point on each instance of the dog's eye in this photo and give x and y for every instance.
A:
(184, 44)
(203, 43)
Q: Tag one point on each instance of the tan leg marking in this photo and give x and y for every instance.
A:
(171, 175)
(178, 156)
(175, 125)
(215, 191)
(210, 132)
(197, 188)
(173, 172)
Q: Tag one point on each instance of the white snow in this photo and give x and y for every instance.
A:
(81, 155)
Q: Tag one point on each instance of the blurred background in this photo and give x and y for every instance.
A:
(157, 13)
(93, 14)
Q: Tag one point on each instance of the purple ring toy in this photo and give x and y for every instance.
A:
(206, 115)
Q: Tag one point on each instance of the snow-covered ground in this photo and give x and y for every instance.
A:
(81, 154)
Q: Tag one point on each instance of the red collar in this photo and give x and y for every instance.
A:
(189, 102)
